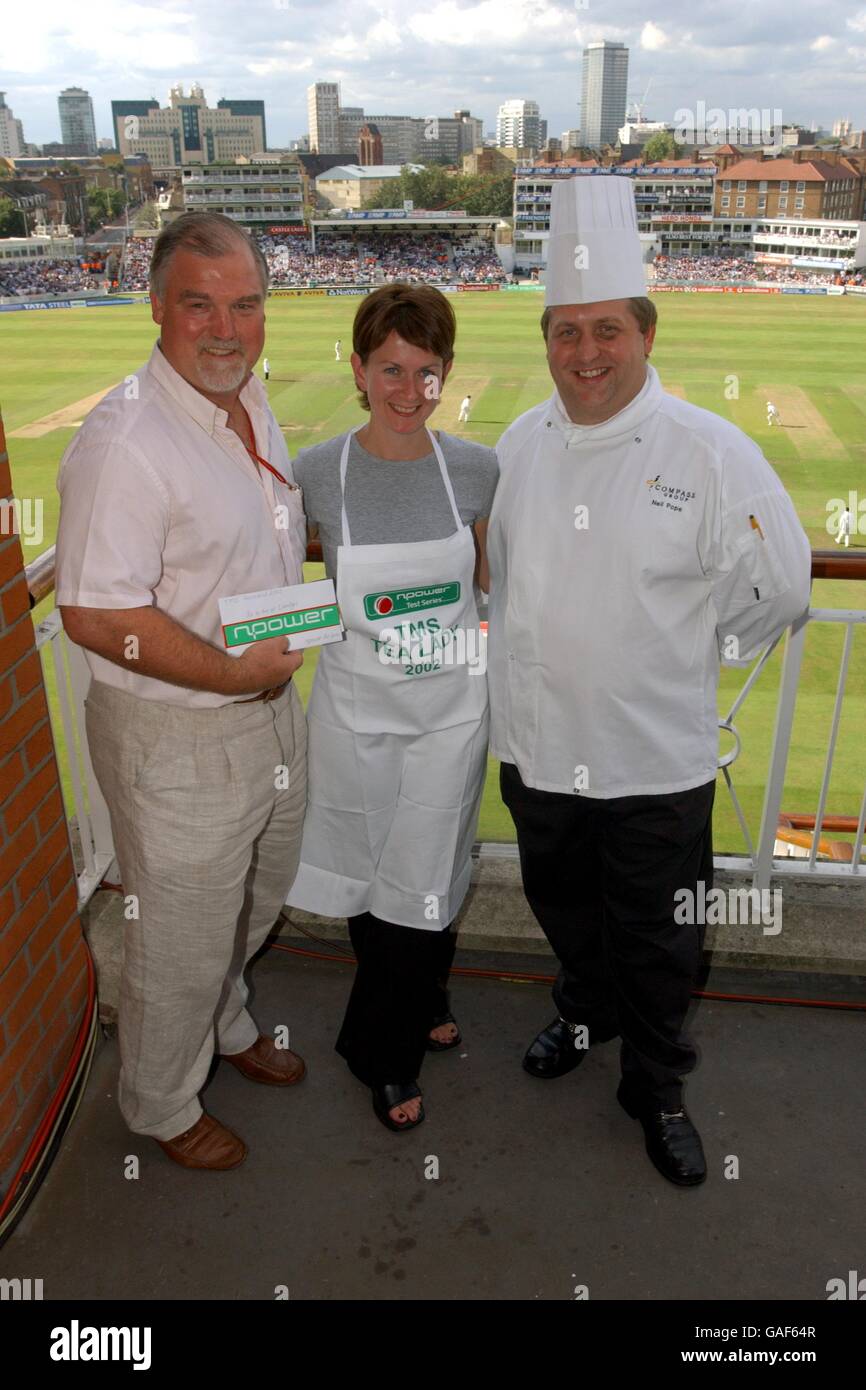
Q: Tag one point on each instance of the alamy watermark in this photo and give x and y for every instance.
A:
(20, 1290)
(731, 907)
(426, 646)
(77, 1343)
(22, 516)
(749, 126)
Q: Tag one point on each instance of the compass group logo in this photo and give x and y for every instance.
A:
(669, 491)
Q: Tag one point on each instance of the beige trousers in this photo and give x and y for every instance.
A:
(207, 808)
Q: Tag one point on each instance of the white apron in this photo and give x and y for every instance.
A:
(397, 750)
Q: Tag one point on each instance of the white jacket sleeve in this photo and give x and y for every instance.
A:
(760, 560)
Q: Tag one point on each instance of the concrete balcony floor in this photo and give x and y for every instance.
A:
(542, 1186)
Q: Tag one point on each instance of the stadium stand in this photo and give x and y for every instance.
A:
(48, 277)
(736, 269)
(372, 257)
(136, 262)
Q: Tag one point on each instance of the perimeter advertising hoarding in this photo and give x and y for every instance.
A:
(287, 229)
(66, 304)
(322, 290)
(643, 171)
(686, 288)
(393, 214)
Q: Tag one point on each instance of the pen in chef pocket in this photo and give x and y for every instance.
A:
(756, 526)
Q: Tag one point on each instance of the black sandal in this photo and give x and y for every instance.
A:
(433, 1045)
(386, 1097)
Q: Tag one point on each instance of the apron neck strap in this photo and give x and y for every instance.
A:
(440, 459)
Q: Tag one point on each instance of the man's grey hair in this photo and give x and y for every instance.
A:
(206, 234)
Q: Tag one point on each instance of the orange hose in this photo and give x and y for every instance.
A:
(530, 977)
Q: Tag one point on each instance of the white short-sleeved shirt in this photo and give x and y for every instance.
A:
(161, 505)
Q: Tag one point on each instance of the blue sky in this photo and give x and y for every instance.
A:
(807, 60)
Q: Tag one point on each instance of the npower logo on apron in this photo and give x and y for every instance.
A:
(394, 601)
(280, 625)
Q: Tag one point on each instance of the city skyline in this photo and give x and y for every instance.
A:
(454, 54)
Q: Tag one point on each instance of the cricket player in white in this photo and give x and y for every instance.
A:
(338, 344)
(632, 537)
(773, 416)
(843, 535)
(266, 368)
(465, 406)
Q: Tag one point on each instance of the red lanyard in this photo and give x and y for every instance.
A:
(258, 458)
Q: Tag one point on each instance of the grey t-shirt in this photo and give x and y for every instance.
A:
(388, 502)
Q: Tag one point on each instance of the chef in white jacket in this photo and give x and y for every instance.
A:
(634, 541)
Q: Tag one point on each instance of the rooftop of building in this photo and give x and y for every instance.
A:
(806, 170)
(368, 171)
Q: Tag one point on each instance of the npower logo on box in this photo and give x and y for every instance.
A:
(394, 601)
(280, 625)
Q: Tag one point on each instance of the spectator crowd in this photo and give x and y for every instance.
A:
(737, 269)
(370, 256)
(47, 277)
(136, 262)
(367, 257)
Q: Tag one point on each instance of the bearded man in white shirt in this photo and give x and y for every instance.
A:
(634, 538)
(177, 491)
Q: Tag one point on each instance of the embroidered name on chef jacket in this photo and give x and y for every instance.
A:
(668, 495)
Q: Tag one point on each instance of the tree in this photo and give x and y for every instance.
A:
(13, 222)
(488, 195)
(97, 208)
(147, 216)
(480, 195)
(659, 147)
(429, 188)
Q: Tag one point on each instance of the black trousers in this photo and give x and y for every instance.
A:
(600, 877)
(400, 986)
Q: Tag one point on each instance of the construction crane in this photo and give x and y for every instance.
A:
(638, 106)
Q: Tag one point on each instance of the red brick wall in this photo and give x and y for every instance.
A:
(43, 970)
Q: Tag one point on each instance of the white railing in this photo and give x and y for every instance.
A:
(761, 861)
(772, 856)
(93, 854)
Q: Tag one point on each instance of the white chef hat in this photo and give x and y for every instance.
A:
(594, 250)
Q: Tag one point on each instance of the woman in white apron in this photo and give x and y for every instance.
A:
(398, 718)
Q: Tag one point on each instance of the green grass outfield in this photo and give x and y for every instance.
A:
(805, 353)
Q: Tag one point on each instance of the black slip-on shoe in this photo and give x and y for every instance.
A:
(672, 1141)
(554, 1053)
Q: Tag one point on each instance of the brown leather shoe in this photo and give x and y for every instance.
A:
(264, 1061)
(207, 1145)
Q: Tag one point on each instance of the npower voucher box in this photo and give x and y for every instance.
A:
(308, 614)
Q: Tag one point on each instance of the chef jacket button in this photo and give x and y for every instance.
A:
(511, 656)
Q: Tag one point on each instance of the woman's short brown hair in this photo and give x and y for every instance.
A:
(419, 313)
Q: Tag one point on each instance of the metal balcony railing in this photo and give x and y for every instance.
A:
(787, 845)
